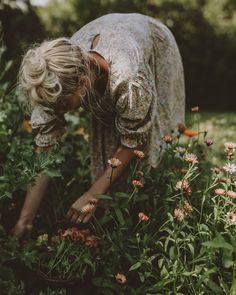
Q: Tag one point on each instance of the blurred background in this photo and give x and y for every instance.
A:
(205, 31)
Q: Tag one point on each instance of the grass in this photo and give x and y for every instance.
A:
(221, 127)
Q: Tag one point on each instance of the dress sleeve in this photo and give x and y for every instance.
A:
(133, 111)
(48, 125)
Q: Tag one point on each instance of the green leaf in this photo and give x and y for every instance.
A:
(218, 242)
(135, 266)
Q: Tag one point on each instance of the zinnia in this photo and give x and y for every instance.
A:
(220, 192)
(139, 154)
(120, 278)
(143, 217)
(137, 183)
(178, 214)
(114, 162)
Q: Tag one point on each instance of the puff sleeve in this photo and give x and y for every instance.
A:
(134, 111)
(48, 125)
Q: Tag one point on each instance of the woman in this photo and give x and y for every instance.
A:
(127, 71)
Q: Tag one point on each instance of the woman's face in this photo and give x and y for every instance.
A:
(68, 103)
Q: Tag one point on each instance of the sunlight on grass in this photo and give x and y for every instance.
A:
(221, 127)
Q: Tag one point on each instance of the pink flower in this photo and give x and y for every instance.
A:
(231, 194)
(114, 162)
(220, 192)
(168, 139)
(178, 214)
(143, 217)
(120, 278)
(137, 183)
(139, 154)
(187, 207)
(191, 158)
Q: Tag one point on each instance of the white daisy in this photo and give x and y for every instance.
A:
(231, 168)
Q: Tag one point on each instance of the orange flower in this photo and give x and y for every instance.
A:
(27, 126)
(139, 154)
(81, 131)
(195, 109)
(143, 217)
(121, 279)
(91, 241)
(190, 133)
(137, 183)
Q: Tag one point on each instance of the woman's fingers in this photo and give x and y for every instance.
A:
(70, 213)
(87, 218)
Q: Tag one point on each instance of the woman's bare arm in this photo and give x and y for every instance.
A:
(125, 155)
(31, 204)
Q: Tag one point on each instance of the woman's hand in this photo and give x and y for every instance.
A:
(22, 229)
(82, 209)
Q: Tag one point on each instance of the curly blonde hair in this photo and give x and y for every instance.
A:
(52, 69)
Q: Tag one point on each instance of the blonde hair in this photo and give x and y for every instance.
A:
(52, 69)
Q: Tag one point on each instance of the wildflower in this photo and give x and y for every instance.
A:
(216, 170)
(42, 239)
(189, 191)
(143, 217)
(178, 214)
(180, 150)
(181, 128)
(195, 109)
(208, 142)
(27, 126)
(137, 183)
(230, 145)
(187, 207)
(139, 154)
(231, 217)
(81, 131)
(190, 133)
(168, 139)
(223, 179)
(114, 162)
(91, 241)
(182, 184)
(220, 192)
(191, 158)
(231, 194)
(120, 278)
(231, 168)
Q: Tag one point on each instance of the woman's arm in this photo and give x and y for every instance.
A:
(31, 204)
(125, 155)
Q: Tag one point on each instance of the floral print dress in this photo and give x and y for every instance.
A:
(144, 98)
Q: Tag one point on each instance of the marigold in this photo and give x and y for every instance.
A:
(220, 192)
(137, 183)
(139, 154)
(27, 125)
(143, 217)
(195, 109)
(114, 162)
(120, 278)
(178, 214)
(190, 133)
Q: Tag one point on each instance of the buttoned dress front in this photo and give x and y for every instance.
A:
(144, 98)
